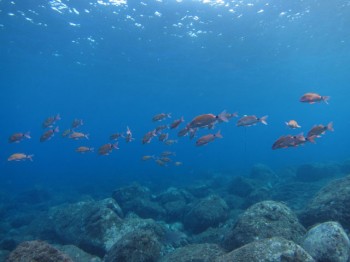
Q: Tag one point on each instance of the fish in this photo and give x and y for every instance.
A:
(167, 153)
(160, 117)
(17, 137)
(159, 129)
(20, 157)
(160, 162)
(183, 132)
(176, 123)
(115, 136)
(106, 149)
(50, 121)
(147, 157)
(229, 116)
(170, 142)
(292, 124)
(251, 120)
(84, 149)
(193, 132)
(178, 163)
(292, 141)
(165, 159)
(207, 120)
(312, 98)
(163, 137)
(66, 132)
(204, 140)
(49, 134)
(128, 137)
(76, 123)
(78, 135)
(148, 137)
(319, 130)
(288, 141)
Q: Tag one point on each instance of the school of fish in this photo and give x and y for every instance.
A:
(204, 121)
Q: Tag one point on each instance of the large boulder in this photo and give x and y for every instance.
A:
(274, 249)
(37, 251)
(77, 254)
(207, 212)
(317, 171)
(327, 242)
(241, 186)
(175, 202)
(264, 220)
(331, 203)
(263, 173)
(138, 199)
(137, 246)
(194, 252)
(92, 225)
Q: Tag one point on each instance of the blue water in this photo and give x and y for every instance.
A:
(116, 64)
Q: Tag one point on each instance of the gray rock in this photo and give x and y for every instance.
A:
(137, 246)
(317, 171)
(264, 220)
(194, 253)
(76, 254)
(274, 249)
(327, 242)
(175, 202)
(331, 203)
(262, 173)
(137, 199)
(128, 193)
(89, 225)
(241, 186)
(4, 254)
(208, 212)
(37, 251)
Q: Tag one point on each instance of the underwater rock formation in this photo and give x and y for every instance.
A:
(137, 246)
(4, 254)
(274, 249)
(89, 225)
(264, 220)
(137, 199)
(241, 186)
(175, 202)
(76, 254)
(194, 252)
(263, 173)
(327, 242)
(331, 203)
(207, 212)
(317, 171)
(37, 251)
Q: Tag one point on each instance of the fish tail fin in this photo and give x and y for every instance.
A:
(311, 139)
(325, 99)
(222, 116)
(30, 157)
(168, 115)
(92, 149)
(87, 136)
(218, 134)
(56, 130)
(27, 135)
(115, 145)
(235, 114)
(330, 126)
(263, 120)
